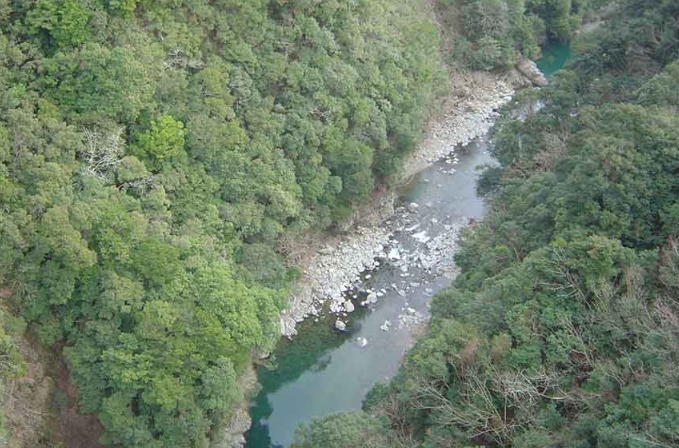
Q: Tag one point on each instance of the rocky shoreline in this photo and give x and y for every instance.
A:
(340, 264)
(334, 270)
(467, 112)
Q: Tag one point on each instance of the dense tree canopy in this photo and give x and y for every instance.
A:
(495, 33)
(151, 154)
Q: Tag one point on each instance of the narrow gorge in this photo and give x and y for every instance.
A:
(372, 288)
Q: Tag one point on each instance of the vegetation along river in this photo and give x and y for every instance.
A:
(322, 370)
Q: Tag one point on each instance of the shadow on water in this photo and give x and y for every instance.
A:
(554, 56)
(308, 353)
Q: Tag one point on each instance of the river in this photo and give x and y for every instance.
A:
(322, 370)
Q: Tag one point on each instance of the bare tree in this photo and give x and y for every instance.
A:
(475, 411)
(102, 153)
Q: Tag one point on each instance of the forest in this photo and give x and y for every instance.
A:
(154, 152)
(562, 329)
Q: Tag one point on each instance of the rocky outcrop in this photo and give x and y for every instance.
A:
(232, 433)
(531, 71)
(334, 270)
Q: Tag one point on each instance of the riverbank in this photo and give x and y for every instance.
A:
(333, 265)
(324, 371)
(336, 265)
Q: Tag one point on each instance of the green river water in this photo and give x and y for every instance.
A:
(323, 371)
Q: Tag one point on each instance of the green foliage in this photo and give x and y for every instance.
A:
(342, 431)
(164, 140)
(12, 364)
(496, 31)
(126, 7)
(97, 84)
(65, 21)
(151, 156)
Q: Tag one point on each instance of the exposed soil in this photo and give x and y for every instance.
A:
(75, 430)
(41, 407)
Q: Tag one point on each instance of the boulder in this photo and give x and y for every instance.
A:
(349, 306)
(394, 254)
(413, 207)
(531, 71)
(341, 326)
(326, 251)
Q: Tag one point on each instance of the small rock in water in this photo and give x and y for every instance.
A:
(412, 207)
(362, 342)
(367, 276)
(385, 326)
(412, 228)
(421, 236)
(349, 306)
(394, 254)
(341, 326)
(372, 297)
(411, 310)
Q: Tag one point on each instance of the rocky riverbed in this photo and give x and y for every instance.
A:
(466, 113)
(389, 263)
(339, 266)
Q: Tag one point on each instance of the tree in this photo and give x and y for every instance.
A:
(342, 431)
(65, 21)
(164, 140)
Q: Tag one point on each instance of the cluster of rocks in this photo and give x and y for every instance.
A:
(531, 72)
(438, 259)
(433, 255)
(332, 272)
(337, 272)
(410, 317)
(467, 113)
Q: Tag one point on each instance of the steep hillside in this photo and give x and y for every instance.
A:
(151, 154)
